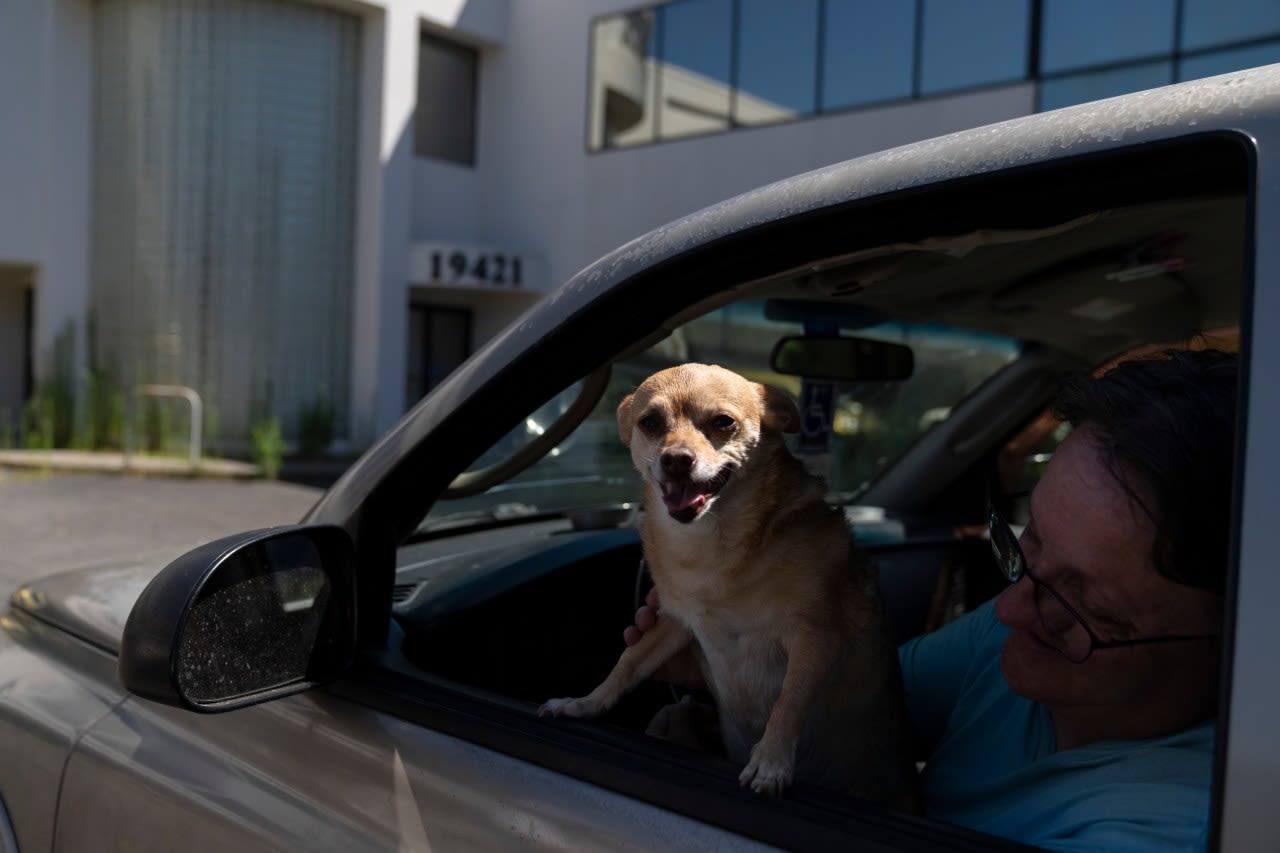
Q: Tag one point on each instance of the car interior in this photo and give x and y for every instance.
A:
(535, 607)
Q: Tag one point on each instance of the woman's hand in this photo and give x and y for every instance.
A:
(681, 670)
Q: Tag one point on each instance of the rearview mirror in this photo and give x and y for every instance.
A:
(842, 358)
(244, 619)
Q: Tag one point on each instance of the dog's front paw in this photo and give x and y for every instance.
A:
(584, 707)
(768, 772)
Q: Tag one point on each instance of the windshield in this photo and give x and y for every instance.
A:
(852, 432)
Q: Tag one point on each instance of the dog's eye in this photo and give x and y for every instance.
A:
(723, 423)
(650, 423)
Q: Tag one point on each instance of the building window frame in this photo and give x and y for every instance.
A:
(446, 117)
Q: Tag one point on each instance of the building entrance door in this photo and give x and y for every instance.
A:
(439, 341)
(17, 308)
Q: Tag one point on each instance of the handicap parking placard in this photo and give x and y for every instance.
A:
(817, 409)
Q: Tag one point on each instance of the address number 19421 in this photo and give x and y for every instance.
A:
(462, 266)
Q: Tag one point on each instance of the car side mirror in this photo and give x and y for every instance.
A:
(244, 619)
(842, 358)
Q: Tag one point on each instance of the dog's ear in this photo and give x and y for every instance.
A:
(780, 411)
(625, 420)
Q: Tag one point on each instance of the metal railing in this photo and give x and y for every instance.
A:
(181, 391)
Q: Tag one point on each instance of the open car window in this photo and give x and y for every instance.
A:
(852, 431)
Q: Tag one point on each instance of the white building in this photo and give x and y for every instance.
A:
(278, 201)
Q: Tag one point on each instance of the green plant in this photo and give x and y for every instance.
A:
(209, 431)
(103, 423)
(267, 446)
(315, 426)
(52, 408)
(104, 416)
(38, 423)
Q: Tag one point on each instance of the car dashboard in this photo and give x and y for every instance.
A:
(536, 609)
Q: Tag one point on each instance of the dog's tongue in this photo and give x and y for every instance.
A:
(683, 500)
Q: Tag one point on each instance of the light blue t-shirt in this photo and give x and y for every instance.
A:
(994, 767)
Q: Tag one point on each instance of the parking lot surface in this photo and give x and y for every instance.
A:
(51, 522)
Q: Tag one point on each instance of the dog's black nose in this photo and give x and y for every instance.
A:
(677, 462)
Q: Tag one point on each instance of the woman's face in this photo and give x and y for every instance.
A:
(1091, 544)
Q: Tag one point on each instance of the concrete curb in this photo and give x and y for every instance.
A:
(84, 461)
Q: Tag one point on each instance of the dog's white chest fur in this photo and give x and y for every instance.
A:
(743, 658)
(744, 668)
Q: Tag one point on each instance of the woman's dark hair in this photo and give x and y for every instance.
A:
(1169, 422)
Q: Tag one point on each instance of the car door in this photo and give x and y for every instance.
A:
(321, 772)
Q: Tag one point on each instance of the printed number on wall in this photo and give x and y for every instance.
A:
(493, 268)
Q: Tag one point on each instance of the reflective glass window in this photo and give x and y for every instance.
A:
(973, 43)
(1207, 23)
(777, 60)
(696, 52)
(1081, 33)
(624, 91)
(867, 52)
(1223, 61)
(1091, 86)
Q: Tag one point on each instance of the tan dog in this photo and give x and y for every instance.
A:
(758, 576)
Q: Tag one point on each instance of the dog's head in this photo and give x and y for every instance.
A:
(692, 427)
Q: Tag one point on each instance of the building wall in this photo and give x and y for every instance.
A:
(24, 126)
(534, 189)
(45, 114)
(400, 206)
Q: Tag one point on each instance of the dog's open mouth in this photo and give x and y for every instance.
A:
(686, 499)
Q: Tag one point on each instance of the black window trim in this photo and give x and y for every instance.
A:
(651, 771)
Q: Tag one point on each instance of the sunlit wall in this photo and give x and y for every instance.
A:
(224, 141)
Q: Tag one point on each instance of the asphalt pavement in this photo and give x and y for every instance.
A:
(51, 522)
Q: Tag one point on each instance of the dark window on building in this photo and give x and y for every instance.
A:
(1085, 33)
(439, 341)
(776, 62)
(1212, 23)
(445, 122)
(868, 52)
(977, 43)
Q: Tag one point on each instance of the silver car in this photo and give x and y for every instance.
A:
(369, 678)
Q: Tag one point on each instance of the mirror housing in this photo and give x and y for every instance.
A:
(244, 619)
(842, 358)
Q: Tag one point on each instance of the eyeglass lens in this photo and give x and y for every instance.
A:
(1005, 547)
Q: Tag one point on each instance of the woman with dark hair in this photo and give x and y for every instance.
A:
(1076, 710)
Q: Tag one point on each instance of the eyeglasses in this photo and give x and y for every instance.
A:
(1063, 626)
